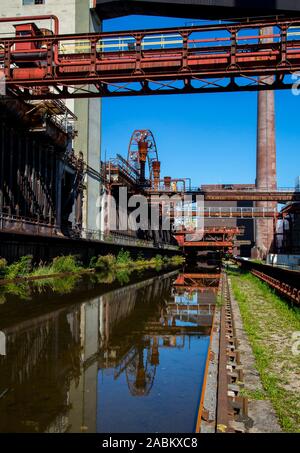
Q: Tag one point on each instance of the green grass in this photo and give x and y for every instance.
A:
(220, 301)
(269, 323)
(253, 394)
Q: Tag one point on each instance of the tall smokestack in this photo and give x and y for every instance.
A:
(265, 159)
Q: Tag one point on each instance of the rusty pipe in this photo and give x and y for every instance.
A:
(33, 18)
(156, 173)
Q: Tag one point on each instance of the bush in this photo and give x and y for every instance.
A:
(177, 259)
(105, 262)
(140, 257)
(93, 262)
(123, 258)
(63, 264)
(123, 276)
(158, 259)
(20, 268)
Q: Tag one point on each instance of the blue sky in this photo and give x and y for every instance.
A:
(208, 137)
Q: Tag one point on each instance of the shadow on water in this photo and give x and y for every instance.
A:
(105, 353)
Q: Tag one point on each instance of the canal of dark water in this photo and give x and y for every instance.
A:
(105, 353)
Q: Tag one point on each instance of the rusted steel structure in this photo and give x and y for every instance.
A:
(260, 194)
(286, 290)
(232, 405)
(196, 282)
(252, 54)
(231, 213)
(218, 239)
(160, 61)
(287, 234)
(285, 281)
(140, 170)
(274, 196)
(140, 173)
(40, 178)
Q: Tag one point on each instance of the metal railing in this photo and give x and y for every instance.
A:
(123, 239)
(224, 211)
(24, 225)
(230, 187)
(162, 41)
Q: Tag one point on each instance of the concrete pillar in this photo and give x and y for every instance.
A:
(88, 140)
(265, 162)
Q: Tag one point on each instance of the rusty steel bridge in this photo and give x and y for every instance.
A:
(208, 58)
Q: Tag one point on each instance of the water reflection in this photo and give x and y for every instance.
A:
(128, 360)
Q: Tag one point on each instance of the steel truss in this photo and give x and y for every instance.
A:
(213, 58)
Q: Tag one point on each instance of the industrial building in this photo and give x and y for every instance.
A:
(58, 65)
(75, 16)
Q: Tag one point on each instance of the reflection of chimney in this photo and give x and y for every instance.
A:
(141, 373)
(167, 182)
(143, 152)
(2, 343)
(155, 352)
(156, 173)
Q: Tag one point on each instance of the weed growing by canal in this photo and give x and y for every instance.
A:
(57, 285)
(61, 265)
(107, 273)
(24, 268)
(3, 266)
(20, 268)
(270, 323)
(124, 261)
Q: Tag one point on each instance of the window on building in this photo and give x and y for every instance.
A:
(33, 2)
